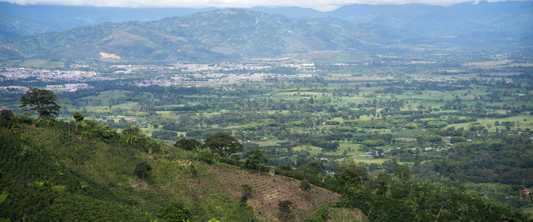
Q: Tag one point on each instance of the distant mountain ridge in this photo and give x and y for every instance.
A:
(418, 20)
(11, 27)
(238, 33)
(232, 33)
(513, 17)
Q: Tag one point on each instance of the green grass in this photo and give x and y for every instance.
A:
(365, 159)
(346, 215)
(331, 56)
(528, 210)
(38, 63)
(168, 181)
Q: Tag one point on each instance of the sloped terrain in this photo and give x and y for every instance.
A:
(11, 27)
(90, 174)
(227, 34)
(269, 189)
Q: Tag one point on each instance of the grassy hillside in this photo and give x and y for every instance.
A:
(90, 176)
(232, 33)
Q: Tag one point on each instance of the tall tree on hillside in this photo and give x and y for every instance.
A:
(285, 210)
(40, 100)
(142, 168)
(6, 114)
(78, 117)
(305, 186)
(223, 144)
(255, 158)
(187, 144)
(312, 168)
(354, 175)
(403, 173)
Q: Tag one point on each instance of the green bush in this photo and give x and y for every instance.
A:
(208, 157)
(320, 214)
(176, 212)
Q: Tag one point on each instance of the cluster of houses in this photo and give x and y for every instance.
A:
(375, 153)
(67, 87)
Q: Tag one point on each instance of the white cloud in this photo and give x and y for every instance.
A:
(321, 5)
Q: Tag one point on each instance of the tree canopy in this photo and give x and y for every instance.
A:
(223, 144)
(312, 168)
(142, 168)
(187, 144)
(40, 100)
(255, 158)
(176, 212)
(352, 175)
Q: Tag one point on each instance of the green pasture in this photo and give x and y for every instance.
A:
(41, 63)
(269, 142)
(365, 159)
(108, 94)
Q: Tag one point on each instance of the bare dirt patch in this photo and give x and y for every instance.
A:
(104, 55)
(269, 190)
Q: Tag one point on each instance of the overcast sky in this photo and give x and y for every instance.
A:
(321, 5)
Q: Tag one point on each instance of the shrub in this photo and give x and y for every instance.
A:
(6, 114)
(207, 157)
(176, 212)
(142, 168)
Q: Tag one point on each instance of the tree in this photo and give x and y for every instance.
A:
(255, 158)
(142, 168)
(352, 175)
(78, 117)
(207, 157)
(235, 158)
(40, 100)
(476, 127)
(176, 212)
(223, 144)
(187, 144)
(305, 186)
(403, 172)
(382, 181)
(247, 189)
(312, 168)
(284, 210)
(6, 114)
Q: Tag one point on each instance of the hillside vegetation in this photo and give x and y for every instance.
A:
(52, 173)
(54, 170)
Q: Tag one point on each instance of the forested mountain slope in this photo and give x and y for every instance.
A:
(11, 27)
(232, 33)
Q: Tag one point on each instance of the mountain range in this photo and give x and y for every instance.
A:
(228, 33)
(180, 33)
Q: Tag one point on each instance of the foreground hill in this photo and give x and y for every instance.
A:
(51, 173)
(232, 33)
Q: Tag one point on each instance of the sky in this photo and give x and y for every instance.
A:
(320, 5)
